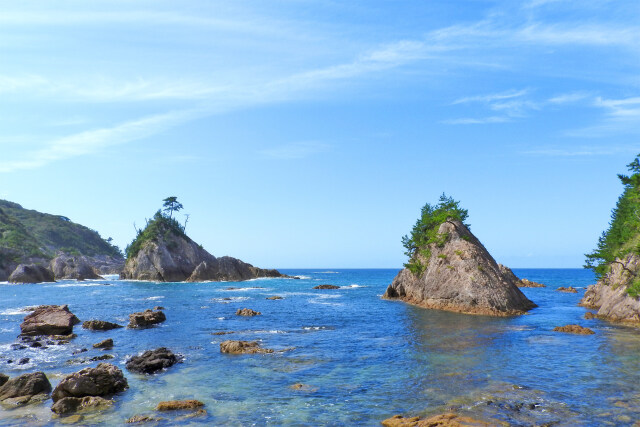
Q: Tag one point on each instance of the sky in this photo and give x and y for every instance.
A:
(303, 134)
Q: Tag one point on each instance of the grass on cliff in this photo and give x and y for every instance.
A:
(622, 238)
(425, 231)
(30, 234)
(159, 227)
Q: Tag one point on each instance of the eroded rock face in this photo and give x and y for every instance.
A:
(31, 273)
(68, 405)
(242, 347)
(174, 258)
(25, 387)
(152, 361)
(49, 320)
(609, 296)
(146, 318)
(100, 325)
(103, 380)
(460, 276)
(72, 267)
(521, 283)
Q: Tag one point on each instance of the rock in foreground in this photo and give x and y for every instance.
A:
(459, 275)
(103, 380)
(242, 347)
(21, 389)
(152, 361)
(68, 405)
(146, 318)
(32, 273)
(574, 329)
(49, 320)
(176, 405)
(442, 420)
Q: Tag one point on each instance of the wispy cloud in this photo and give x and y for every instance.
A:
(568, 98)
(492, 97)
(298, 150)
(477, 121)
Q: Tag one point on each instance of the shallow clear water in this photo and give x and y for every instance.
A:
(364, 359)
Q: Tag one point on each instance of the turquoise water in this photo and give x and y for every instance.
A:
(363, 359)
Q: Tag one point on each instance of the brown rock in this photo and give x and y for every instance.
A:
(49, 320)
(589, 315)
(146, 318)
(25, 386)
(574, 329)
(569, 289)
(275, 297)
(223, 333)
(442, 420)
(139, 419)
(67, 405)
(242, 347)
(471, 284)
(100, 325)
(247, 312)
(521, 283)
(32, 273)
(108, 343)
(103, 380)
(526, 283)
(326, 287)
(302, 387)
(174, 405)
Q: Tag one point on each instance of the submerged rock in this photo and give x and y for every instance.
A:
(460, 276)
(152, 361)
(72, 267)
(570, 289)
(49, 320)
(23, 388)
(247, 312)
(31, 273)
(574, 329)
(68, 405)
(146, 318)
(326, 287)
(100, 325)
(275, 297)
(103, 380)
(139, 419)
(242, 347)
(176, 405)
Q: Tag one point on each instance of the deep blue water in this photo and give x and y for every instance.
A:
(364, 359)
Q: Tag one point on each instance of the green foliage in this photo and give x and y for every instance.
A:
(31, 234)
(442, 256)
(171, 205)
(458, 252)
(634, 289)
(623, 235)
(425, 231)
(160, 227)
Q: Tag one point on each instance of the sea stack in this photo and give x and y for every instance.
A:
(163, 252)
(451, 270)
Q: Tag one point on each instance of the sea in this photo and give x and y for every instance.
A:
(359, 359)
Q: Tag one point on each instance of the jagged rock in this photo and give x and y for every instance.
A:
(67, 405)
(174, 257)
(100, 325)
(247, 312)
(146, 318)
(460, 276)
(49, 320)
(152, 361)
(326, 287)
(521, 283)
(569, 290)
(174, 405)
(103, 380)
(139, 419)
(108, 343)
(589, 315)
(31, 273)
(574, 329)
(80, 350)
(242, 347)
(275, 297)
(72, 267)
(442, 420)
(25, 387)
(23, 361)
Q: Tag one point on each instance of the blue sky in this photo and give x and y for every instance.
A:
(303, 133)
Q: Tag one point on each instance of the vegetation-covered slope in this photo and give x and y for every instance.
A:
(30, 234)
(159, 227)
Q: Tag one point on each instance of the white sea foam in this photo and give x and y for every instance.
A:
(16, 311)
(246, 289)
(221, 318)
(228, 299)
(110, 276)
(316, 328)
(355, 285)
(327, 272)
(154, 298)
(300, 276)
(273, 331)
(76, 285)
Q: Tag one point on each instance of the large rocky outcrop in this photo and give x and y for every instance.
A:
(460, 276)
(49, 320)
(173, 257)
(609, 296)
(31, 273)
(21, 389)
(72, 267)
(103, 380)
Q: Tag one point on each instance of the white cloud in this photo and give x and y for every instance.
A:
(568, 98)
(492, 97)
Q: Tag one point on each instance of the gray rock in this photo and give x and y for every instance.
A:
(103, 380)
(100, 325)
(152, 361)
(68, 405)
(3, 379)
(49, 320)
(146, 318)
(108, 343)
(26, 385)
(31, 273)
(521, 283)
(72, 267)
(460, 276)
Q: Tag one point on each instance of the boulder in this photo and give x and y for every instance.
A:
(68, 405)
(152, 361)
(247, 312)
(100, 325)
(72, 267)
(326, 287)
(460, 275)
(570, 290)
(526, 283)
(242, 347)
(175, 405)
(31, 273)
(521, 283)
(49, 320)
(103, 380)
(25, 387)
(146, 318)
(442, 420)
(108, 343)
(574, 329)
(3, 379)
(275, 297)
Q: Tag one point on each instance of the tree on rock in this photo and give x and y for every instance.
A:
(171, 205)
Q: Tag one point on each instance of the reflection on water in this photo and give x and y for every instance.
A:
(361, 359)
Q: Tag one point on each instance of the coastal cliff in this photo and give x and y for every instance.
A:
(163, 252)
(451, 270)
